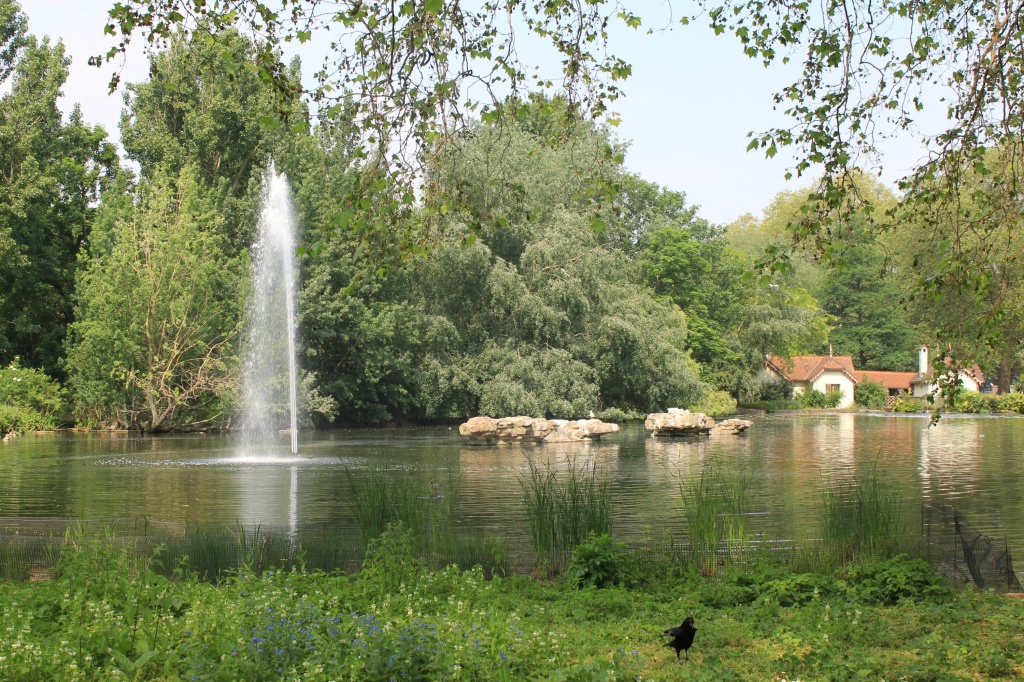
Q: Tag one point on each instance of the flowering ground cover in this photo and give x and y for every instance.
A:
(106, 616)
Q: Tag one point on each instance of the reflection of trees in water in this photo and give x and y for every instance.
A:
(950, 457)
(790, 458)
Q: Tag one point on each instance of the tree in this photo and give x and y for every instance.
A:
(733, 321)
(866, 306)
(543, 304)
(974, 309)
(201, 106)
(12, 36)
(51, 171)
(868, 69)
(154, 343)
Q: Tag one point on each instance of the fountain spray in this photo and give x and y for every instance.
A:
(271, 321)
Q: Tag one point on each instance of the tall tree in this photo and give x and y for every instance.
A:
(982, 322)
(204, 105)
(50, 175)
(154, 343)
(867, 310)
(12, 36)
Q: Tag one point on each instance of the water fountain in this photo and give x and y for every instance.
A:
(270, 360)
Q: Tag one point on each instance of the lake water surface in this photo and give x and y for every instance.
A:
(973, 463)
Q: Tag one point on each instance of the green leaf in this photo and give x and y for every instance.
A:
(433, 6)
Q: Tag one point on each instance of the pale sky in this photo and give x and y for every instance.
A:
(689, 104)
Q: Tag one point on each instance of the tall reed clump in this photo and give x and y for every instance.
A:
(564, 508)
(862, 519)
(715, 509)
(388, 495)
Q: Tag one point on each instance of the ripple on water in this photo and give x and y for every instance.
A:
(229, 462)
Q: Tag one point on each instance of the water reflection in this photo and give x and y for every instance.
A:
(973, 463)
(950, 456)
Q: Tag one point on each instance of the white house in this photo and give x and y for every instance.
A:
(823, 373)
(925, 382)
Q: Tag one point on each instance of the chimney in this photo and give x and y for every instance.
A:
(922, 360)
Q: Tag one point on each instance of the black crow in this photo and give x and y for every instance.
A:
(682, 637)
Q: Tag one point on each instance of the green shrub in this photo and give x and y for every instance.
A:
(1010, 402)
(894, 580)
(870, 394)
(815, 399)
(774, 405)
(972, 402)
(774, 388)
(908, 405)
(597, 562)
(29, 400)
(716, 404)
(614, 414)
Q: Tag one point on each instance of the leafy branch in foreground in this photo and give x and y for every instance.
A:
(873, 71)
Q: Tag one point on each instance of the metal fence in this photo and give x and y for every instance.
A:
(30, 549)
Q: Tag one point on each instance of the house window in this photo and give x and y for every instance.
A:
(831, 387)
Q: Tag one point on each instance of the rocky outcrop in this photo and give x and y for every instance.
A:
(731, 427)
(534, 430)
(679, 422)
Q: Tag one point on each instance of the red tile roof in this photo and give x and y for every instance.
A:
(810, 367)
(900, 380)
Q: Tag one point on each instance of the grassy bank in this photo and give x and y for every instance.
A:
(105, 615)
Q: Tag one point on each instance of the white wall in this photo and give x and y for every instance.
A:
(836, 377)
(969, 384)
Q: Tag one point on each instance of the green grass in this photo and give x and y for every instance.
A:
(108, 615)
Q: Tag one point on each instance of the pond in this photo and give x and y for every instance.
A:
(975, 464)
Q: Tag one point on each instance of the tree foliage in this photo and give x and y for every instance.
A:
(154, 343)
(866, 305)
(536, 313)
(868, 71)
(12, 36)
(51, 170)
(870, 394)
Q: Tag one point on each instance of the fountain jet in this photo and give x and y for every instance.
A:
(269, 381)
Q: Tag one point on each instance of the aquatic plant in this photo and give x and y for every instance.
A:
(862, 518)
(564, 508)
(715, 510)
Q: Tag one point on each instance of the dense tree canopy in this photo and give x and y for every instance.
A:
(51, 170)
(12, 36)
(155, 340)
(868, 71)
(458, 260)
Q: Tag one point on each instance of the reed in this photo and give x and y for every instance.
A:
(715, 511)
(385, 496)
(862, 519)
(563, 509)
